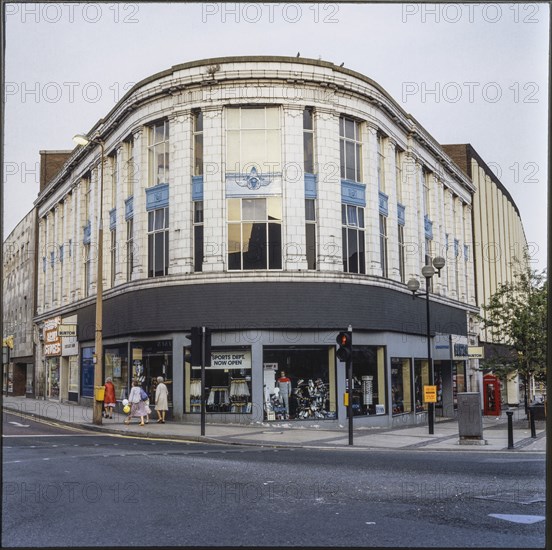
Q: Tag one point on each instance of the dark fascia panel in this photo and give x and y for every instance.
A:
(279, 306)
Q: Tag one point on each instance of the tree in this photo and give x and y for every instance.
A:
(516, 317)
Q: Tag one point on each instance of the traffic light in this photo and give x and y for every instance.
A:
(345, 349)
(193, 356)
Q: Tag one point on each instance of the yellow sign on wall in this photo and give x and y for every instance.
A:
(430, 394)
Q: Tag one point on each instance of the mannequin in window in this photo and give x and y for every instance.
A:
(284, 384)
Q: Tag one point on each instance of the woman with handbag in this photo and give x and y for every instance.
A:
(137, 403)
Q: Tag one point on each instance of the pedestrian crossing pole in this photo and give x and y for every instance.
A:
(345, 354)
(202, 380)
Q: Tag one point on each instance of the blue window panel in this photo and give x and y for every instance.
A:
(353, 193)
(383, 204)
(428, 228)
(157, 197)
(129, 208)
(87, 230)
(466, 252)
(197, 188)
(112, 218)
(311, 187)
(52, 258)
(401, 213)
(61, 253)
(456, 247)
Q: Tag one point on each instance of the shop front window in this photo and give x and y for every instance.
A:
(401, 387)
(299, 383)
(150, 360)
(87, 372)
(421, 379)
(458, 380)
(227, 383)
(116, 367)
(52, 366)
(369, 381)
(73, 385)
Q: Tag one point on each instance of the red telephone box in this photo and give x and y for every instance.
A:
(491, 395)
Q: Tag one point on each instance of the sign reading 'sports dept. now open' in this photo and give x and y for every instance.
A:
(230, 360)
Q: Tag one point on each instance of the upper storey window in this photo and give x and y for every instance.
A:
(426, 180)
(131, 169)
(308, 141)
(198, 143)
(158, 153)
(253, 139)
(350, 149)
(381, 162)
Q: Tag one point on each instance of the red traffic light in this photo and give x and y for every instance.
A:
(345, 350)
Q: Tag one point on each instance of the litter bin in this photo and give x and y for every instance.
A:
(470, 421)
(100, 393)
(539, 411)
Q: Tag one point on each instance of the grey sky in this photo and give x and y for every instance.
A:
(468, 73)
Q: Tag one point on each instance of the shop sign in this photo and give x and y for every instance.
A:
(52, 343)
(231, 360)
(475, 352)
(430, 394)
(69, 346)
(460, 351)
(53, 323)
(67, 331)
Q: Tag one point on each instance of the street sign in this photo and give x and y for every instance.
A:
(430, 394)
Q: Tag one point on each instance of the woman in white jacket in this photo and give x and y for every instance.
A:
(161, 400)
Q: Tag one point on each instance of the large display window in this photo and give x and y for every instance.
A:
(369, 383)
(150, 360)
(227, 383)
(299, 383)
(116, 367)
(421, 379)
(401, 385)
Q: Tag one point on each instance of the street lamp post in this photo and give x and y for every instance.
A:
(428, 271)
(98, 363)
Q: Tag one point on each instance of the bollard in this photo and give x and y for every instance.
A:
(532, 421)
(510, 430)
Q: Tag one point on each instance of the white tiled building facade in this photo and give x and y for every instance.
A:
(245, 194)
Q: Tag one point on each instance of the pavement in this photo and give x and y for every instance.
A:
(326, 435)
